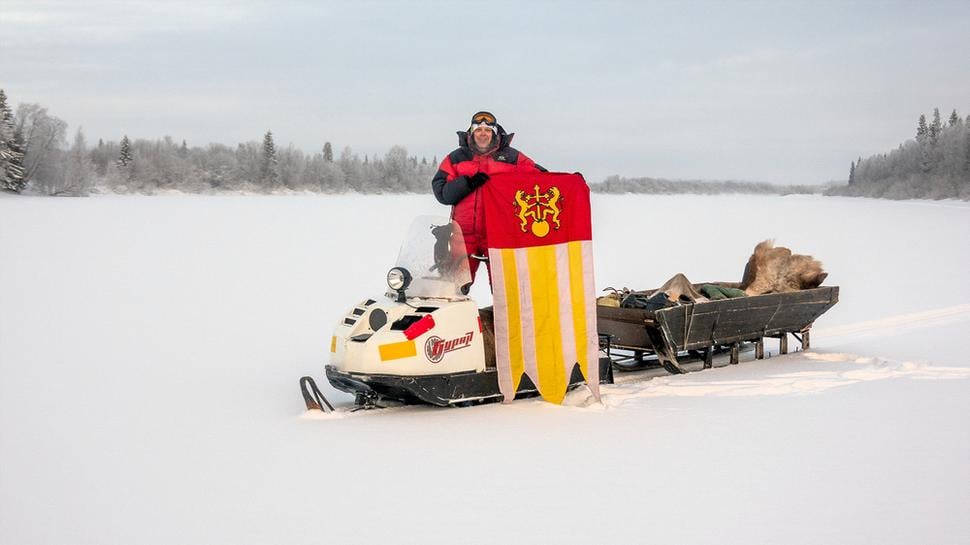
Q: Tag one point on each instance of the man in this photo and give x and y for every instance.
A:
(483, 150)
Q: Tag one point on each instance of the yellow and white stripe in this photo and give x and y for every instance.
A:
(551, 326)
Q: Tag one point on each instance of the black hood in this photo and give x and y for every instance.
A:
(504, 139)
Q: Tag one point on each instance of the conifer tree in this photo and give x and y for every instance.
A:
(954, 118)
(852, 173)
(921, 129)
(12, 171)
(124, 157)
(935, 128)
(923, 138)
(125, 162)
(269, 171)
(966, 151)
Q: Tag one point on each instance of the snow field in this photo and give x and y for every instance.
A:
(150, 349)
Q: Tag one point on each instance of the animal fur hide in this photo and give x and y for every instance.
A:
(679, 288)
(487, 316)
(778, 270)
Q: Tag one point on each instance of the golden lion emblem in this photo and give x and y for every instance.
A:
(538, 206)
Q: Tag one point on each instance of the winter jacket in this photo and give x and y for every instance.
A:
(450, 183)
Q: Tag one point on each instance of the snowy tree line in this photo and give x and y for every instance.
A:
(660, 186)
(934, 165)
(35, 155)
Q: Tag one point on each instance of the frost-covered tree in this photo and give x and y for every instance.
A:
(921, 129)
(42, 139)
(146, 166)
(935, 128)
(395, 169)
(352, 168)
(102, 156)
(923, 139)
(217, 166)
(935, 165)
(966, 154)
(12, 172)
(852, 173)
(124, 155)
(269, 167)
(290, 167)
(124, 174)
(78, 171)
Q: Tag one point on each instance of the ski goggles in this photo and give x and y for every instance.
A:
(483, 117)
(476, 126)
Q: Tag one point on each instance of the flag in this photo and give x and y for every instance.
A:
(541, 254)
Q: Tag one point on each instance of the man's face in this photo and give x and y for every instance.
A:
(483, 136)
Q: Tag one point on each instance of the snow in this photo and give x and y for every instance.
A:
(150, 349)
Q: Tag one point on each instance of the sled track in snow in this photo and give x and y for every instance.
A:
(808, 372)
(897, 323)
(805, 373)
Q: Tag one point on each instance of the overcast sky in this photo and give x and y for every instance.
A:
(786, 92)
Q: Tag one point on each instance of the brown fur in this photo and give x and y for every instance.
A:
(777, 270)
(679, 288)
(488, 334)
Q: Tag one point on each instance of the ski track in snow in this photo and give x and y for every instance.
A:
(898, 323)
(854, 368)
(850, 369)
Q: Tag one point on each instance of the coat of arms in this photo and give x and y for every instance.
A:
(538, 206)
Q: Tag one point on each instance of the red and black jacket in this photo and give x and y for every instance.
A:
(450, 183)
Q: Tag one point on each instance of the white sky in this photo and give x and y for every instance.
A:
(785, 92)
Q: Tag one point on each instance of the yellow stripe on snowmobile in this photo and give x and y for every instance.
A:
(396, 351)
(333, 343)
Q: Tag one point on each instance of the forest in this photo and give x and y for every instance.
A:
(36, 157)
(934, 165)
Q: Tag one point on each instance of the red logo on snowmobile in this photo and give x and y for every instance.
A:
(435, 348)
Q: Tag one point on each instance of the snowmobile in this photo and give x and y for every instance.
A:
(425, 340)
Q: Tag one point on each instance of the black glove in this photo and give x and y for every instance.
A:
(477, 180)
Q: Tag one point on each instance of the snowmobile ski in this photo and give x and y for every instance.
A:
(313, 397)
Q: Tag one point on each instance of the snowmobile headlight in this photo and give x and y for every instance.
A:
(398, 279)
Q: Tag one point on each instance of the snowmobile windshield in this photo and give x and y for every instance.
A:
(434, 254)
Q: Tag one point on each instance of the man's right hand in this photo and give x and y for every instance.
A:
(477, 180)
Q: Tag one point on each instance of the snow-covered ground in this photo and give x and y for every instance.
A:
(150, 349)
